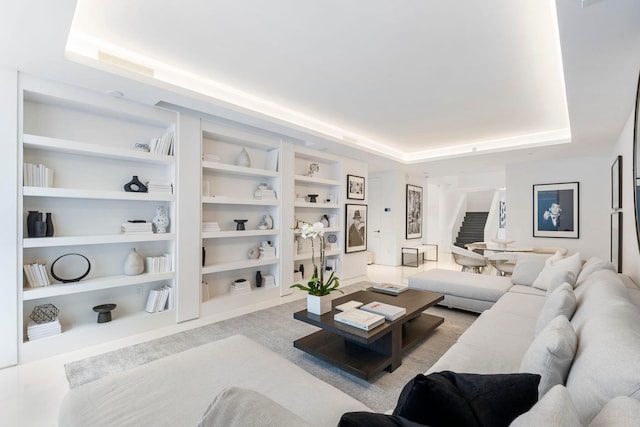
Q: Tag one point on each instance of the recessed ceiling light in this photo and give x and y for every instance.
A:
(114, 93)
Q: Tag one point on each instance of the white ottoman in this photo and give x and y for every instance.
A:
(467, 291)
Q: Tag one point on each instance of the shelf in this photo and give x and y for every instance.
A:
(74, 193)
(238, 265)
(226, 200)
(307, 255)
(81, 148)
(316, 205)
(235, 234)
(46, 242)
(93, 285)
(317, 181)
(238, 170)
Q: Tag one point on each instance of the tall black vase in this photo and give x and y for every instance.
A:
(32, 217)
(49, 232)
(259, 279)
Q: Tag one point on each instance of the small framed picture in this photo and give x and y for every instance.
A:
(414, 212)
(555, 210)
(356, 235)
(616, 240)
(355, 187)
(616, 183)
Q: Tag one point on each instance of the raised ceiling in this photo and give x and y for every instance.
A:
(414, 81)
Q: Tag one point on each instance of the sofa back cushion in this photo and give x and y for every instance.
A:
(607, 362)
(593, 264)
(558, 270)
(602, 289)
(551, 353)
(561, 301)
(528, 267)
(554, 409)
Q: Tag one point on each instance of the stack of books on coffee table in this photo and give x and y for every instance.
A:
(359, 318)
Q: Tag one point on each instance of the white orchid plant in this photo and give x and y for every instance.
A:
(316, 285)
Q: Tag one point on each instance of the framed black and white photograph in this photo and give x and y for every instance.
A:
(616, 183)
(502, 220)
(355, 187)
(555, 210)
(356, 222)
(414, 212)
(616, 240)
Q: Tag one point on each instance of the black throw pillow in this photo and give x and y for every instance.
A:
(373, 419)
(474, 400)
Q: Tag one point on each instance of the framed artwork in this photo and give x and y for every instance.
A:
(555, 210)
(414, 212)
(355, 187)
(616, 240)
(502, 220)
(616, 183)
(356, 222)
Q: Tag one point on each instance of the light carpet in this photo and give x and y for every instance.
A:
(276, 329)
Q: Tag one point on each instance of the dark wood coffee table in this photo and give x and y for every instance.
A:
(366, 353)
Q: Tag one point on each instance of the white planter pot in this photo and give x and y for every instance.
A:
(318, 305)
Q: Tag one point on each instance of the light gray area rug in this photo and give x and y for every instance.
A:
(276, 329)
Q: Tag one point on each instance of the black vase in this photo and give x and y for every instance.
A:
(301, 270)
(39, 228)
(135, 186)
(49, 222)
(259, 279)
(32, 217)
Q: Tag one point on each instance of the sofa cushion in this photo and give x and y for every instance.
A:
(468, 285)
(373, 419)
(602, 289)
(561, 301)
(593, 264)
(606, 364)
(556, 271)
(448, 398)
(241, 407)
(621, 411)
(528, 267)
(551, 353)
(554, 409)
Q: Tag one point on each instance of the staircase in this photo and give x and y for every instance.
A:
(472, 229)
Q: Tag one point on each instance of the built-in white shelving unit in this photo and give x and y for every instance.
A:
(89, 141)
(320, 174)
(231, 190)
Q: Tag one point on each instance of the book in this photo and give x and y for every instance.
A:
(359, 319)
(390, 312)
(390, 288)
(348, 305)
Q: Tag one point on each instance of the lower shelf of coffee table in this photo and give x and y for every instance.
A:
(361, 360)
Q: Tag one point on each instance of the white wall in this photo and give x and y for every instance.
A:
(479, 201)
(630, 249)
(8, 218)
(593, 175)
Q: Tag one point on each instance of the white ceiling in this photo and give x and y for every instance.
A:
(403, 78)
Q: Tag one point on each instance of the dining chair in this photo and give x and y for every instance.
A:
(469, 260)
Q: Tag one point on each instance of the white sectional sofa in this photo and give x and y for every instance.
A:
(584, 342)
(515, 335)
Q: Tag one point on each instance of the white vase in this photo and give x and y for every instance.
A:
(243, 159)
(318, 305)
(161, 220)
(133, 264)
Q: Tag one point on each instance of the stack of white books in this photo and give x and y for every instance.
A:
(265, 194)
(41, 330)
(158, 264)
(136, 228)
(390, 312)
(390, 288)
(160, 187)
(211, 226)
(269, 281)
(160, 299)
(162, 145)
(37, 175)
(267, 252)
(36, 275)
(359, 319)
(240, 286)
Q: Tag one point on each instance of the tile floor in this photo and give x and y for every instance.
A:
(30, 394)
